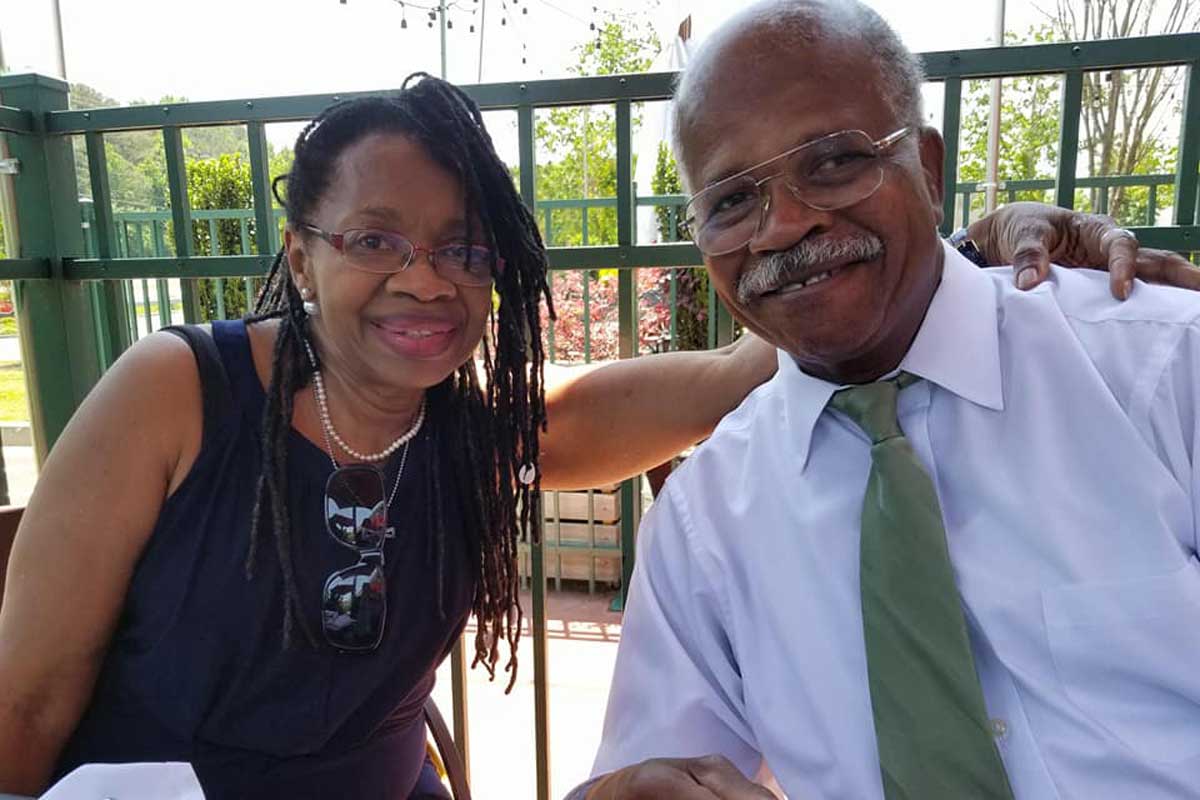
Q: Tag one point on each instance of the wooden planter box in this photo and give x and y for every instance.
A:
(575, 566)
(605, 503)
(574, 548)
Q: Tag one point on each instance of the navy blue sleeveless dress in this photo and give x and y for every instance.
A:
(196, 671)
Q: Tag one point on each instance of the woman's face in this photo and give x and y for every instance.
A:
(409, 329)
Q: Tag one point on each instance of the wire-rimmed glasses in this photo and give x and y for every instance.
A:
(384, 252)
(826, 174)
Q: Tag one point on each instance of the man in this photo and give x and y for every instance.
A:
(900, 569)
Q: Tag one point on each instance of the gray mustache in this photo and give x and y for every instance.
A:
(778, 269)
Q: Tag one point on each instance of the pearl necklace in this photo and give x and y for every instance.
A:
(399, 473)
(331, 432)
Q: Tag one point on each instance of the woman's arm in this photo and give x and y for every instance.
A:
(608, 422)
(94, 506)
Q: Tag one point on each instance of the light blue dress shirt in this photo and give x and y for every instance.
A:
(1060, 428)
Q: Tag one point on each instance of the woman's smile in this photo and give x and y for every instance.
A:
(420, 336)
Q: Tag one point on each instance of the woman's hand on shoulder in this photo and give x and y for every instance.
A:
(95, 504)
(1031, 236)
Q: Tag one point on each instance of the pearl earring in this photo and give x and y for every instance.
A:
(309, 305)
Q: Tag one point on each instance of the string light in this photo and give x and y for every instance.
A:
(435, 11)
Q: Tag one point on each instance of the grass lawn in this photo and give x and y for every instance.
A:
(13, 406)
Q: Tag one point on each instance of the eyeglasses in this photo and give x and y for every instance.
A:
(825, 174)
(385, 252)
(354, 601)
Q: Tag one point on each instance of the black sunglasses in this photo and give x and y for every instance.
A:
(354, 602)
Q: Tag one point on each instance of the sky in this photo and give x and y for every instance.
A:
(220, 49)
(224, 49)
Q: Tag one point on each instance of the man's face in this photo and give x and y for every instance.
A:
(882, 253)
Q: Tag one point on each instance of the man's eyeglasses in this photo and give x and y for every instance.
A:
(825, 174)
(384, 252)
(354, 601)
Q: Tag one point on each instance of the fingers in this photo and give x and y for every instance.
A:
(1164, 266)
(1031, 253)
(707, 778)
(650, 780)
(1119, 250)
(1030, 236)
(724, 780)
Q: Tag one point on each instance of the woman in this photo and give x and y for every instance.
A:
(257, 566)
(218, 597)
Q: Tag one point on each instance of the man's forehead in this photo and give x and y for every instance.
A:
(777, 59)
(747, 117)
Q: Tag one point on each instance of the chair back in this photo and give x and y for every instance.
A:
(456, 769)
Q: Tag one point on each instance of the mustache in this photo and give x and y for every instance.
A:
(779, 269)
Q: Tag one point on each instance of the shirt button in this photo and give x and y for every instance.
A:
(999, 728)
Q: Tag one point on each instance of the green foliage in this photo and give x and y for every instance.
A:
(221, 183)
(1120, 144)
(137, 165)
(1029, 129)
(666, 181)
(14, 403)
(691, 287)
(217, 162)
(215, 183)
(621, 45)
(577, 146)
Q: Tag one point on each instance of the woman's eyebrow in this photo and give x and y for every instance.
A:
(380, 213)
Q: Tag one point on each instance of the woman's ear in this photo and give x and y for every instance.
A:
(297, 259)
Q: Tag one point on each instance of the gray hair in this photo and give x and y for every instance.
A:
(808, 22)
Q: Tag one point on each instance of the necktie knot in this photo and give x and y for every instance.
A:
(872, 406)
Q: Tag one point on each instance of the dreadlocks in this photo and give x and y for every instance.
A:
(489, 432)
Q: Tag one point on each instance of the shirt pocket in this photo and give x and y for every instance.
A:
(1128, 655)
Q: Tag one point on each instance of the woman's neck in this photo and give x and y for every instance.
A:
(367, 416)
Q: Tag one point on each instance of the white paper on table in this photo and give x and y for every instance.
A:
(167, 781)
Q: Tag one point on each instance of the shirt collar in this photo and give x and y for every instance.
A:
(957, 347)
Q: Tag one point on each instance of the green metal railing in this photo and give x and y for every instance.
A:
(1039, 189)
(73, 305)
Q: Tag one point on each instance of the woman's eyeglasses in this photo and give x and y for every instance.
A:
(825, 174)
(384, 252)
(354, 601)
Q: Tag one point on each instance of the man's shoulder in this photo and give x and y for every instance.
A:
(1128, 343)
(715, 464)
(1084, 296)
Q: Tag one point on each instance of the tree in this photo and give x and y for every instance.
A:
(691, 285)
(577, 146)
(578, 159)
(1029, 129)
(1125, 112)
(1126, 115)
(217, 164)
(221, 183)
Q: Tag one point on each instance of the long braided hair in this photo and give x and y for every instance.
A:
(488, 433)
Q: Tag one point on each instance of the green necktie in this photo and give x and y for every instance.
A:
(930, 719)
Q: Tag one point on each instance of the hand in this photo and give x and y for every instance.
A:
(1031, 235)
(705, 778)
